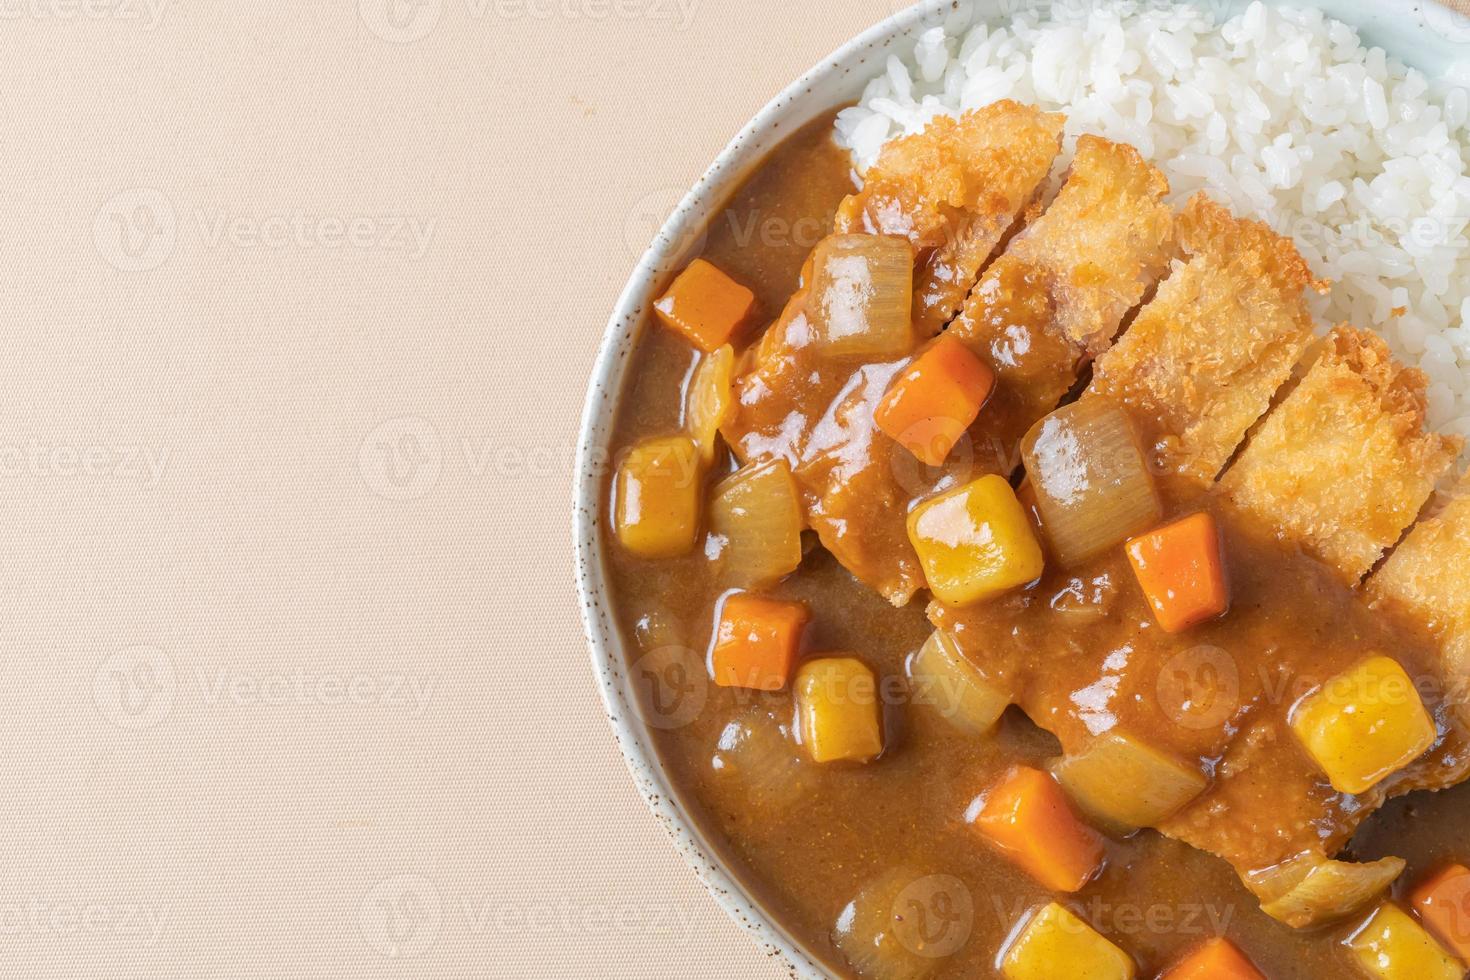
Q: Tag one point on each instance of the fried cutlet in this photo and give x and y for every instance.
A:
(954, 190)
(1058, 294)
(1344, 464)
(1200, 363)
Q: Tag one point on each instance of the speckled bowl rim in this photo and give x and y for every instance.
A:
(1402, 27)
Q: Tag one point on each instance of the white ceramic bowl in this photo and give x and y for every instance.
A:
(1419, 32)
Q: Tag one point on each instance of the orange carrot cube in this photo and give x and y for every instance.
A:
(756, 642)
(705, 306)
(1027, 818)
(1443, 902)
(1182, 572)
(935, 400)
(1217, 959)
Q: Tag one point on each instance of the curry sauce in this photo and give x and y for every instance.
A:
(1078, 649)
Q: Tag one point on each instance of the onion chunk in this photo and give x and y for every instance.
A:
(1310, 889)
(904, 923)
(945, 680)
(1092, 483)
(710, 401)
(1125, 784)
(757, 511)
(862, 296)
(758, 752)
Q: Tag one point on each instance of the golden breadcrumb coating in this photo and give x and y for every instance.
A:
(1428, 575)
(1058, 294)
(954, 190)
(1344, 464)
(1201, 361)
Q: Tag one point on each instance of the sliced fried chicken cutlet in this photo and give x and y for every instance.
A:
(1058, 294)
(1053, 299)
(1200, 363)
(1344, 465)
(953, 191)
(1429, 577)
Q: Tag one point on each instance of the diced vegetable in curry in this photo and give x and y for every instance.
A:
(756, 641)
(1065, 608)
(1393, 946)
(1124, 784)
(1215, 959)
(975, 542)
(1364, 725)
(1443, 904)
(1026, 817)
(706, 306)
(837, 704)
(942, 679)
(933, 403)
(1055, 943)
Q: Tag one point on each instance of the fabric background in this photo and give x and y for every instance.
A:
(300, 299)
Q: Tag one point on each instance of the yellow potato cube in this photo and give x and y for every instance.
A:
(942, 678)
(658, 490)
(837, 704)
(1127, 784)
(1055, 943)
(1364, 725)
(975, 542)
(1392, 946)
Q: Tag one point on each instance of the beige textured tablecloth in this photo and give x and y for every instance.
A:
(299, 303)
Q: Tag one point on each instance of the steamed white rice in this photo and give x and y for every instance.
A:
(1284, 114)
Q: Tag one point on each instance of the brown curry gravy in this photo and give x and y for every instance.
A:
(1156, 898)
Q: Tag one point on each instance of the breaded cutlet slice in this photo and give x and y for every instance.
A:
(1428, 576)
(1058, 294)
(1344, 464)
(953, 191)
(1201, 361)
